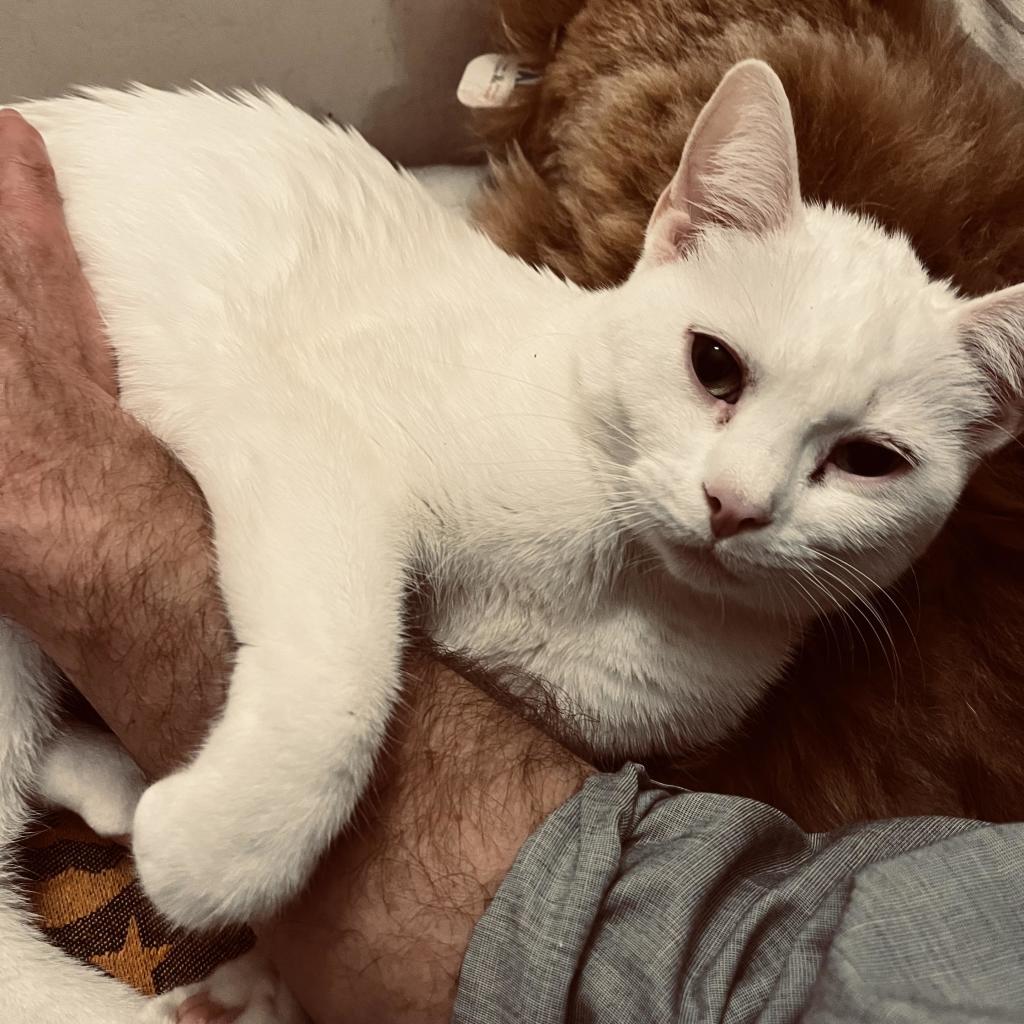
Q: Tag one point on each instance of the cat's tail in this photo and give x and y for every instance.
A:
(38, 983)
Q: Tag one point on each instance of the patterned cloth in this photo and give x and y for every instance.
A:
(642, 903)
(90, 904)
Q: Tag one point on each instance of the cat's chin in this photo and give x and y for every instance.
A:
(705, 562)
(698, 568)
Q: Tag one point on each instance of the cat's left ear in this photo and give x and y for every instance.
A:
(738, 168)
(992, 328)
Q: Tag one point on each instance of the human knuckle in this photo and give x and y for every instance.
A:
(42, 170)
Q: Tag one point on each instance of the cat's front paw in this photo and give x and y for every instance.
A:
(212, 853)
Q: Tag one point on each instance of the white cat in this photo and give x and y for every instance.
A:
(638, 494)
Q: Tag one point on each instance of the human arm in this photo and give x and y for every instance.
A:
(104, 543)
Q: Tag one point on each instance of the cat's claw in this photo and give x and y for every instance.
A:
(243, 991)
(210, 853)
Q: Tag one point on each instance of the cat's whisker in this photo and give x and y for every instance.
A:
(876, 590)
(829, 620)
(779, 593)
(843, 611)
(833, 603)
(872, 618)
(811, 599)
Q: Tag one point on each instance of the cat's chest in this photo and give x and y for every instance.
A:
(646, 669)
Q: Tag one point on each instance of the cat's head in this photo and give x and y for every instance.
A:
(790, 405)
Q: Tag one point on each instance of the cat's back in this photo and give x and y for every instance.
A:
(192, 206)
(246, 256)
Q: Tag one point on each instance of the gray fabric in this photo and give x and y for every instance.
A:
(638, 903)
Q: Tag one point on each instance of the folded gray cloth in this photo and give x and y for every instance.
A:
(636, 903)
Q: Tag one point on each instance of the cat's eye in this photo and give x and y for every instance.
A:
(718, 370)
(867, 458)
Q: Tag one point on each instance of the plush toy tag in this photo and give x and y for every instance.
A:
(490, 79)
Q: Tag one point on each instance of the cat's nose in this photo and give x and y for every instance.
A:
(731, 513)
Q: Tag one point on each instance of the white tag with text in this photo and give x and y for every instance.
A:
(490, 79)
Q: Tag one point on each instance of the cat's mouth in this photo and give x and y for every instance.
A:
(692, 561)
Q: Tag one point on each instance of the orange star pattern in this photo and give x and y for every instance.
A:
(133, 962)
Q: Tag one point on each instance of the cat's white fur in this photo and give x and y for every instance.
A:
(366, 388)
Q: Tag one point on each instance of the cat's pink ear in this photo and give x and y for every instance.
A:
(992, 328)
(738, 169)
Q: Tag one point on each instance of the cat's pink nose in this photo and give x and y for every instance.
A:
(731, 513)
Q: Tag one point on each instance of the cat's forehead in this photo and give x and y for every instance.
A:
(835, 304)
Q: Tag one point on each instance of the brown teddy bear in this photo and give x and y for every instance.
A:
(914, 704)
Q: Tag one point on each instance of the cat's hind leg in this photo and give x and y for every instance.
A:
(86, 770)
(247, 990)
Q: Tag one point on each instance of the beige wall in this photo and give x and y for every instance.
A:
(388, 66)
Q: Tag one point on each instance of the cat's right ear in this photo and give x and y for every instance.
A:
(738, 168)
(992, 330)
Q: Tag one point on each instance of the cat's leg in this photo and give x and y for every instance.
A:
(87, 771)
(313, 584)
(38, 983)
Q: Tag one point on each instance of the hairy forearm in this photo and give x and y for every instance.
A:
(129, 607)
